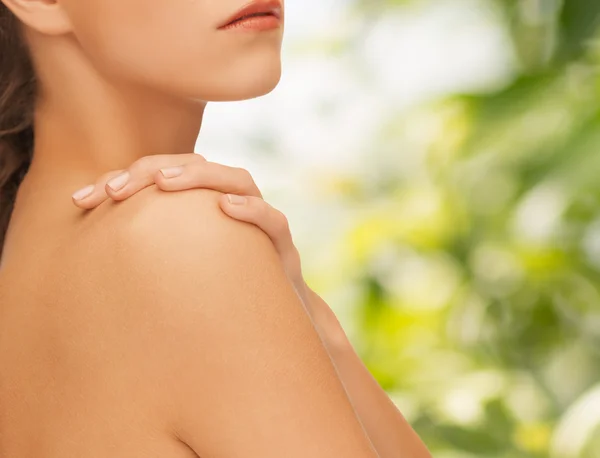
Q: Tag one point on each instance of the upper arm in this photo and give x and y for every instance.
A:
(245, 371)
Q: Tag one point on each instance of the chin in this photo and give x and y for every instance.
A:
(257, 88)
(246, 84)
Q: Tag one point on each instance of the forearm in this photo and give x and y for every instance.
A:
(390, 433)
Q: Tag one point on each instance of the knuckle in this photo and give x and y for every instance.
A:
(244, 174)
(281, 223)
(264, 211)
(247, 180)
(197, 167)
(143, 163)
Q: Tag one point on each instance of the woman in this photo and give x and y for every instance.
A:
(162, 324)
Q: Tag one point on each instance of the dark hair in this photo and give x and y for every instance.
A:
(17, 95)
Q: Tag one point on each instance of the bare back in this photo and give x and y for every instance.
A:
(68, 387)
(158, 326)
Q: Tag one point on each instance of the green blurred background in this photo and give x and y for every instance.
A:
(458, 238)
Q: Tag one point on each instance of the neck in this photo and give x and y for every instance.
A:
(92, 128)
(98, 130)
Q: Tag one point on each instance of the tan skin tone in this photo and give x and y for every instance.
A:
(389, 432)
(160, 325)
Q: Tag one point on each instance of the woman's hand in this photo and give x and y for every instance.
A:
(242, 200)
(393, 437)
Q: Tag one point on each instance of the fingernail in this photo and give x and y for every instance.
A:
(235, 199)
(119, 181)
(172, 172)
(83, 192)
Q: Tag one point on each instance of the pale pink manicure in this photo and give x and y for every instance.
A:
(234, 199)
(172, 172)
(84, 192)
(119, 181)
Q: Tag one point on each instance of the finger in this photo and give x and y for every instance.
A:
(139, 175)
(97, 195)
(210, 175)
(274, 223)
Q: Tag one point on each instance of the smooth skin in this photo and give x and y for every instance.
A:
(165, 332)
(387, 429)
(157, 326)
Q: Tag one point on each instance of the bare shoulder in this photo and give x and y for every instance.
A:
(175, 254)
(192, 221)
(239, 360)
(157, 233)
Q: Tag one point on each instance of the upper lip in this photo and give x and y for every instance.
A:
(269, 6)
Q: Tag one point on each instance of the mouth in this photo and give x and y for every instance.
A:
(270, 8)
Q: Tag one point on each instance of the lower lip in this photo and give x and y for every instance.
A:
(255, 23)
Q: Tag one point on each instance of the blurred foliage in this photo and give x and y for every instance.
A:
(478, 273)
